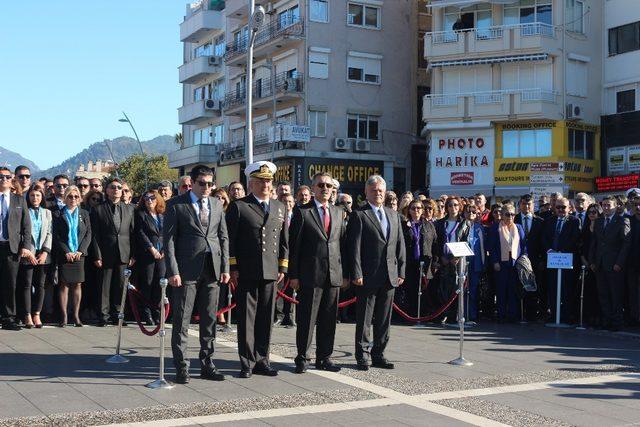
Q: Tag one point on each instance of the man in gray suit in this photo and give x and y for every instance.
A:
(377, 266)
(608, 255)
(196, 248)
(15, 243)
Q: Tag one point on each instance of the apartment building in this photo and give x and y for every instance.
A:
(621, 96)
(333, 89)
(515, 96)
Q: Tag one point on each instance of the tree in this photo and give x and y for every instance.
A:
(132, 171)
(179, 139)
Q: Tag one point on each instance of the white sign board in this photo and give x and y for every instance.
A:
(546, 179)
(539, 191)
(617, 159)
(560, 260)
(459, 249)
(633, 158)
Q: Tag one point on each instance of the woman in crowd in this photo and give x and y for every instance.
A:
(475, 263)
(150, 263)
(591, 304)
(403, 206)
(127, 194)
(506, 244)
(391, 200)
(496, 214)
(71, 238)
(430, 209)
(221, 194)
(34, 264)
(92, 199)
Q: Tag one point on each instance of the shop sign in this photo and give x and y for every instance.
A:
(547, 166)
(461, 178)
(616, 159)
(528, 125)
(284, 171)
(289, 133)
(547, 179)
(347, 172)
(605, 184)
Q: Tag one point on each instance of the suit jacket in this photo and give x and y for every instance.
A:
(46, 235)
(494, 243)
(61, 234)
(569, 240)
(427, 241)
(373, 257)
(462, 234)
(186, 242)
(19, 224)
(258, 242)
(534, 238)
(315, 257)
(610, 246)
(147, 235)
(51, 203)
(112, 246)
(634, 249)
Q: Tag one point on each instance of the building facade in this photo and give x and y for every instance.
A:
(515, 96)
(332, 90)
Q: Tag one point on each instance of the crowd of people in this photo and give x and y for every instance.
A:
(59, 237)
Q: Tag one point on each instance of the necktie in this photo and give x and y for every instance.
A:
(4, 214)
(526, 225)
(606, 222)
(204, 214)
(556, 237)
(263, 205)
(117, 219)
(383, 221)
(326, 219)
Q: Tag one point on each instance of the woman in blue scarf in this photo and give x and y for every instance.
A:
(71, 238)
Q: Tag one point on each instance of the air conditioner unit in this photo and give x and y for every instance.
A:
(269, 8)
(212, 104)
(215, 60)
(362, 146)
(574, 112)
(341, 144)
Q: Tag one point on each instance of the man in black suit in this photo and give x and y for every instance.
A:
(315, 270)
(561, 234)
(533, 226)
(259, 258)
(196, 247)
(15, 242)
(112, 225)
(377, 266)
(633, 267)
(56, 202)
(610, 246)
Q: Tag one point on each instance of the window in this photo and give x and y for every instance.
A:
(360, 15)
(364, 68)
(574, 16)
(577, 84)
(218, 90)
(288, 17)
(208, 135)
(422, 61)
(219, 47)
(581, 144)
(625, 38)
(318, 64)
(625, 101)
(528, 12)
(526, 143)
(319, 10)
(203, 50)
(237, 137)
(217, 134)
(318, 123)
(241, 39)
(362, 126)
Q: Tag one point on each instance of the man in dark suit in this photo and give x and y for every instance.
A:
(196, 247)
(533, 226)
(607, 257)
(315, 270)
(259, 258)
(112, 225)
(377, 266)
(633, 267)
(15, 242)
(56, 202)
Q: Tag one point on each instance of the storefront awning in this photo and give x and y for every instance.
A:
(492, 60)
(465, 3)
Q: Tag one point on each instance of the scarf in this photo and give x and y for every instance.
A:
(450, 235)
(72, 218)
(509, 242)
(36, 226)
(415, 227)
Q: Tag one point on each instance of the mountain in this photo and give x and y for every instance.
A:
(10, 159)
(121, 147)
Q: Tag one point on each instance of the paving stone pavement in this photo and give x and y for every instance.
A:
(522, 375)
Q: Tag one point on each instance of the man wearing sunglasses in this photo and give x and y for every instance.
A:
(184, 184)
(196, 247)
(83, 185)
(23, 175)
(111, 247)
(15, 238)
(56, 202)
(96, 184)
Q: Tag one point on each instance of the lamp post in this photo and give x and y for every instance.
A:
(146, 169)
(256, 18)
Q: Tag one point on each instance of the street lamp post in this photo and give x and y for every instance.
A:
(146, 169)
(256, 18)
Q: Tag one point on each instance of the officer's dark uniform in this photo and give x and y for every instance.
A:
(258, 249)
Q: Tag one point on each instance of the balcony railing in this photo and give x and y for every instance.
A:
(536, 95)
(493, 33)
(493, 97)
(293, 26)
(264, 88)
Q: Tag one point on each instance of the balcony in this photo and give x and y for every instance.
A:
(501, 39)
(202, 20)
(270, 38)
(199, 111)
(287, 88)
(497, 104)
(206, 153)
(200, 68)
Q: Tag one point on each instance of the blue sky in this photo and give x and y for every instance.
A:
(68, 68)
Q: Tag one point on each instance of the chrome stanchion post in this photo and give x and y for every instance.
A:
(228, 327)
(583, 273)
(461, 361)
(161, 383)
(293, 308)
(118, 358)
(419, 324)
(522, 321)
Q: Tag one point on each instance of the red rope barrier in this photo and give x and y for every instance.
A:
(134, 297)
(346, 303)
(431, 316)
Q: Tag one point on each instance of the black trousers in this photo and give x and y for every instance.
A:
(317, 309)
(632, 309)
(373, 308)
(204, 293)
(255, 307)
(149, 274)
(33, 276)
(111, 280)
(611, 296)
(9, 264)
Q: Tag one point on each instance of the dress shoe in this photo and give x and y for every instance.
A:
(182, 376)
(211, 373)
(301, 367)
(288, 322)
(265, 370)
(62, 324)
(382, 363)
(102, 323)
(327, 365)
(78, 324)
(245, 374)
(362, 365)
(11, 326)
